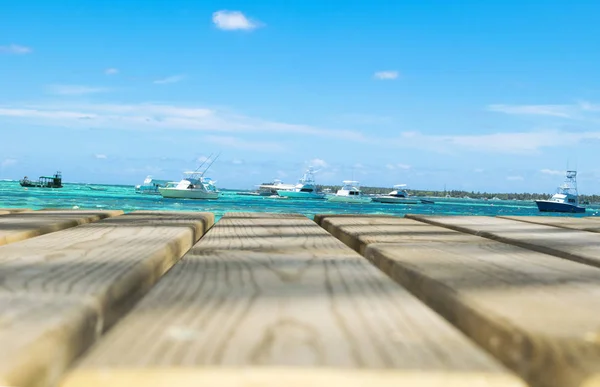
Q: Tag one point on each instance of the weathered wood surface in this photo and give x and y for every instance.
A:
(274, 300)
(60, 291)
(580, 246)
(12, 210)
(359, 231)
(18, 226)
(590, 224)
(531, 310)
(539, 314)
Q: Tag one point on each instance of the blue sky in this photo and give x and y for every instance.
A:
(495, 95)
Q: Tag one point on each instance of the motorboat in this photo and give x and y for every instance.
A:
(349, 193)
(305, 189)
(398, 196)
(566, 198)
(54, 181)
(270, 189)
(150, 186)
(192, 186)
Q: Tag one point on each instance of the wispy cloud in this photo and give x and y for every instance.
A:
(240, 143)
(111, 71)
(515, 178)
(100, 156)
(234, 20)
(564, 111)
(8, 162)
(15, 49)
(386, 75)
(318, 163)
(552, 172)
(392, 167)
(75, 89)
(171, 79)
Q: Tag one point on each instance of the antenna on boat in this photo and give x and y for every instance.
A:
(211, 163)
(204, 162)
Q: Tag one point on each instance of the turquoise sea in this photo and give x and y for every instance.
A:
(81, 196)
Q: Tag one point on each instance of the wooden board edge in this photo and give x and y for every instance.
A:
(524, 245)
(282, 376)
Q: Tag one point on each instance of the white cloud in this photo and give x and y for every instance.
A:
(156, 116)
(171, 79)
(386, 75)
(15, 49)
(111, 71)
(515, 178)
(397, 166)
(479, 170)
(318, 163)
(564, 111)
(509, 143)
(75, 89)
(8, 162)
(240, 143)
(237, 162)
(233, 20)
(100, 156)
(552, 172)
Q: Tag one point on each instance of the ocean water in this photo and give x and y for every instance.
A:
(116, 197)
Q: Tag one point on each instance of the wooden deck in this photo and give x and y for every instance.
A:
(99, 298)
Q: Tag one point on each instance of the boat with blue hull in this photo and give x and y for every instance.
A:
(566, 198)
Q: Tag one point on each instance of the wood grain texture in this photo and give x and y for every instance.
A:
(575, 245)
(583, 224)
(18, 226)
(359, 231)
(275, 300)
(13, 210)
(69, 286)
(318, 218)
(539, 314)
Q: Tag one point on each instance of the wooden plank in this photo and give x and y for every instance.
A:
(538, 314)
(274, 300)
(575, 245)
(12, 210)
(359, 231)
(318, 218)
(582, 224)
(62, 290)
(18, 226)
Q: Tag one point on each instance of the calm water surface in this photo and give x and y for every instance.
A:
(80, 196)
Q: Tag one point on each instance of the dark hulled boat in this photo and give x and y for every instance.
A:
(54, 181)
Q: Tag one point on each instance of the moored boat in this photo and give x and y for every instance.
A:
(349, 193)
(54, 181)
(305, 189)
(566, 198)
(398, 196)
(150, 186)
(192, 186)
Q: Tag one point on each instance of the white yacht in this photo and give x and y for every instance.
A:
(305, 189)
(398, 196)
(272, 188)
(192, 186)
(566, 199)
(349, 193)
(150, 186)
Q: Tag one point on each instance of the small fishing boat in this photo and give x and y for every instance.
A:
(270, 189)
(54, 181)
(193, 186)
(566, 198)
(349, 193)
(398, 196)
(305, 189)
(150, 186)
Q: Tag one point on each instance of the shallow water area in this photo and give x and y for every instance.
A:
(113, 197)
